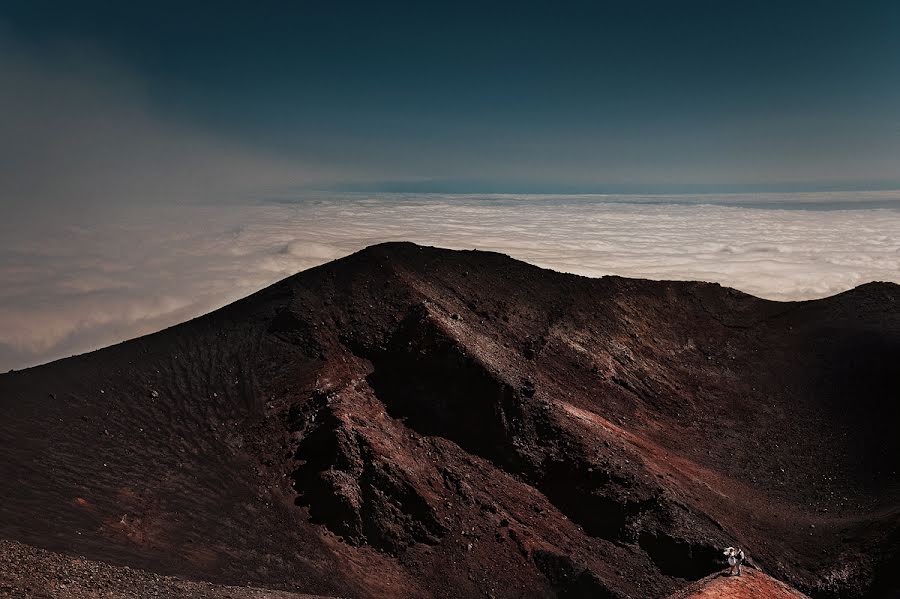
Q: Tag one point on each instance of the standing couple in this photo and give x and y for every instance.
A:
(735, 556)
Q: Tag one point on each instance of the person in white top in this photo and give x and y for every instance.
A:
(735, 556)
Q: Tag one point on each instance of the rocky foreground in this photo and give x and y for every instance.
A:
(27, 572)
(417, 422)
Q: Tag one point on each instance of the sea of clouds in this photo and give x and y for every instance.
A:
(76, 281)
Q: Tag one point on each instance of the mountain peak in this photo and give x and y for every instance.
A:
(411, 414)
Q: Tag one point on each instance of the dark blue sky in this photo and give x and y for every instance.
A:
(517, 96)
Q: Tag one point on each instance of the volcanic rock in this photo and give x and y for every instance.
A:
(345, 432)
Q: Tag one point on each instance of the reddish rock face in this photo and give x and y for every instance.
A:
(752, 584)
(416, 422)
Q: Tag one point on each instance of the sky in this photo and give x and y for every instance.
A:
(479, 97)
(159, 160)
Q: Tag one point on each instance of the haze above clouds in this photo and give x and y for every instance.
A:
(75, 282)
(79, 130)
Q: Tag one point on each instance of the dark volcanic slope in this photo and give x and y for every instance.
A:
(416, 422)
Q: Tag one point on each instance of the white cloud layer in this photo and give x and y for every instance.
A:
(73, 282)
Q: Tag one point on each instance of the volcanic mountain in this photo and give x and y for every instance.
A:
(418, 422)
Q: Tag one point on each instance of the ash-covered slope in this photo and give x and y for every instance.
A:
(417, 422)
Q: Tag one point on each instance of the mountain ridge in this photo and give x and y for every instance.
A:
(428, 422)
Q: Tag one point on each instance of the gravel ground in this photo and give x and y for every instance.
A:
(28, 572)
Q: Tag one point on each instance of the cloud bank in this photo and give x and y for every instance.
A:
(77, 281)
